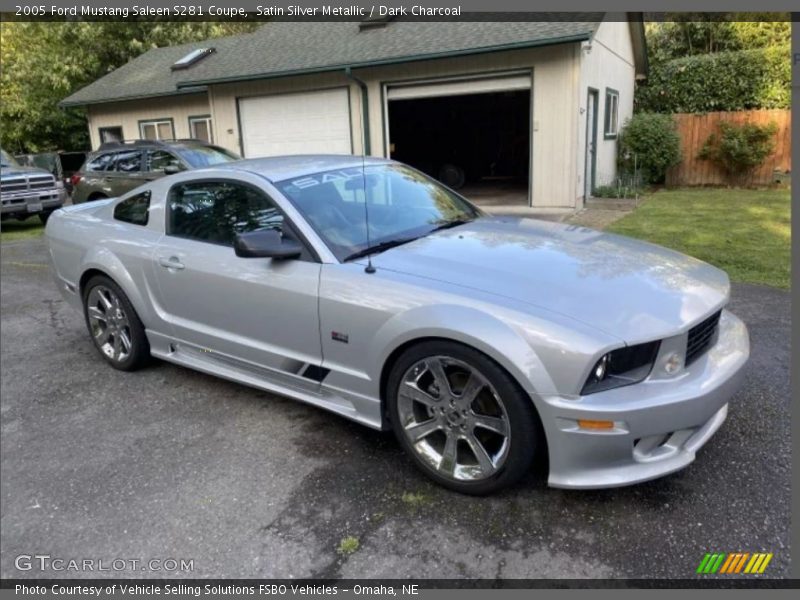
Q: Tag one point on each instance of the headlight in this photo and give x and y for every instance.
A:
(620, 367)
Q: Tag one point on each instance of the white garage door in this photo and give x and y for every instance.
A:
(459, 87)
(304, 123)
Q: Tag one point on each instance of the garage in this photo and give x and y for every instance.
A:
(297, 123)
(472, 134)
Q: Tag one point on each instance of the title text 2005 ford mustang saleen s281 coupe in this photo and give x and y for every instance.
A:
(483, 342)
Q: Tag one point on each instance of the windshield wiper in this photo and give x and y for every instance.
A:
(450, 223)
(400, 241)
(379, 247)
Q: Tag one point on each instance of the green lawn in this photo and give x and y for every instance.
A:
(18, 230)
(745, 232)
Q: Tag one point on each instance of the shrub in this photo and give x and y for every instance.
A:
(722, 81)
(740, 148)
(649, 143)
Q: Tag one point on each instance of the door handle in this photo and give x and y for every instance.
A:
(173, 262)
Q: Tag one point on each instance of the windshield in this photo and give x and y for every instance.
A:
(403, 204)
(6, 160)
(206, 156)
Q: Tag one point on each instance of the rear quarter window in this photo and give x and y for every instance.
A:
(133, 210)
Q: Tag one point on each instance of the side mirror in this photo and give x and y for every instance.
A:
(266, 244)
(171, 169)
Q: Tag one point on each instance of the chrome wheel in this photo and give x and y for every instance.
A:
(453, 418)
(108, 323)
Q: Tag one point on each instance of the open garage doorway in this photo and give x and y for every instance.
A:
(473, 135)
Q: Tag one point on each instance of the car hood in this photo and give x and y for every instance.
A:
(17, 171)
(630, 289)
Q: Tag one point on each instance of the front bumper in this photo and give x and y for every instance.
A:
(30, 203)
(659, 424)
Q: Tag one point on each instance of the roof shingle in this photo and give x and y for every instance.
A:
(288, 48)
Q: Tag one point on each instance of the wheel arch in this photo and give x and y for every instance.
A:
(542, 462)
(86, 276)
(470, 327)
(100, 261)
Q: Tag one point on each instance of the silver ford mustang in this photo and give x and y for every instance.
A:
(483, 342)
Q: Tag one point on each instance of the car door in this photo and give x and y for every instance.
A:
(93, 181)
(161, 162)
(255, 312)
(125, 173)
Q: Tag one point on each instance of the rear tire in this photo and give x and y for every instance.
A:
(452, 176)
(462, 418)
(116, 330)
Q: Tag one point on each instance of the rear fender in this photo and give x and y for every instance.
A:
(102, 259)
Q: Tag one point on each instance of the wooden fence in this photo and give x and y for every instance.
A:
(694, 130)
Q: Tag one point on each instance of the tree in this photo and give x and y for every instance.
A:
(690, 34)
(703, 63)
(42, 63)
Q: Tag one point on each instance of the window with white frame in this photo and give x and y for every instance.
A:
(157, 129)
(612, 114)
(200, 128)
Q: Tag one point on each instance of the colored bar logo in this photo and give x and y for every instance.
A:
(734, 563)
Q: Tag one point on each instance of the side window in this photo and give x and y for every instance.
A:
(215, 211)
(101, 162)
(159, 160)
(134, 209)
(129, 162)
(110, 134)
(159, 129)
(612, 114)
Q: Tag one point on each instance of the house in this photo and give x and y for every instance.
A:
(516, 110)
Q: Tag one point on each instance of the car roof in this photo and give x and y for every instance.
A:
(150, 144)
(279, 168)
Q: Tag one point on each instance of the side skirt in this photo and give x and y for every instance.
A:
(305, 388)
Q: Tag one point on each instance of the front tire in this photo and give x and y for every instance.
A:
(462, 418)
(116, 330)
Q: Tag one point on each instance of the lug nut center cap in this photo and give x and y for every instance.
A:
(454, 418)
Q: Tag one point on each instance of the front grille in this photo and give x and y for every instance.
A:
(43, 182)
(31, 183)
(700, 337)
(15, 185)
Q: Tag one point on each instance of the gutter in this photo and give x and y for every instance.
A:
(583, 37)
(66, 103)
(639, 40)
(366, 149)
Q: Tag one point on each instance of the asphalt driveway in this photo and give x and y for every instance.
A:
(170, 463)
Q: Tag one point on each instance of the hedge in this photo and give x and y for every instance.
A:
(722, 81)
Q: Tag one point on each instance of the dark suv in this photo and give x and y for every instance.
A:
(118, 167)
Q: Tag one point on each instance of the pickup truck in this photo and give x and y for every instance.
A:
(27, 191)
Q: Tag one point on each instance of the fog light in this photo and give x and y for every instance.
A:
(673, 363)
(589, 424)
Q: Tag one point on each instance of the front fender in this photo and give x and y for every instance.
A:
(469, 326)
